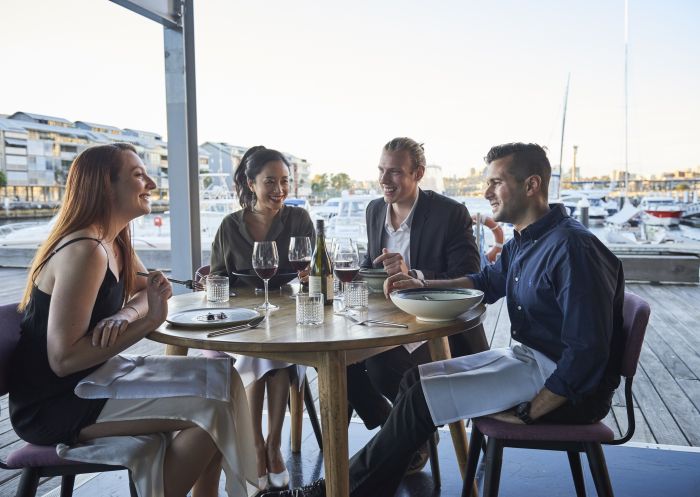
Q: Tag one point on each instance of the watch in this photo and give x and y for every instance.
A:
(522, 412)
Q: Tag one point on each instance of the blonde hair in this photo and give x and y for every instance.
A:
(86, 203)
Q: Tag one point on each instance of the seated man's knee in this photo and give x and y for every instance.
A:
(410, 378)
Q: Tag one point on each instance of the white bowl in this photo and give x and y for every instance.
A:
(436, 304)
(374, 278)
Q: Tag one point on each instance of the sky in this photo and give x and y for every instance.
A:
(332, 82)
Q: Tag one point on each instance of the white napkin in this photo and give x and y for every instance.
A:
(138, 377)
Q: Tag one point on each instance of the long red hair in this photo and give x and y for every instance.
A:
(86, 203)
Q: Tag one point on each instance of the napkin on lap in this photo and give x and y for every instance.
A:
(139, 377)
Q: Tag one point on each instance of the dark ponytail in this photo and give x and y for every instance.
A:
(250, 166)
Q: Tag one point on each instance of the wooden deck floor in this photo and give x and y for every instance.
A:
(666, 388)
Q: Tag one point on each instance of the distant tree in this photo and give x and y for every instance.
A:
(3, 179)
(319, 184)
(341, 181)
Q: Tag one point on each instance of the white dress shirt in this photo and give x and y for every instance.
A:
(399, 241)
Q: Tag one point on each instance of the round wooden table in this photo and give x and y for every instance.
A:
(328, 347)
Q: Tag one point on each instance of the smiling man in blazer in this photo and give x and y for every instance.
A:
(423, 234)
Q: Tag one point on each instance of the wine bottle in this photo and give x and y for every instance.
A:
(321, 275)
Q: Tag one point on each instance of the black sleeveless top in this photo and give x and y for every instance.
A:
(43, 408)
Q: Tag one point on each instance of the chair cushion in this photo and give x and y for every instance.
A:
(597, 432)
(34, 456)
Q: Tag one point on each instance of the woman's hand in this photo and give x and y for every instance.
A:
(304, 275)
(159, 290)
(107, 331)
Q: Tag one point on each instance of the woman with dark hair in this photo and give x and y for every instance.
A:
(262, 185)
(84, 304)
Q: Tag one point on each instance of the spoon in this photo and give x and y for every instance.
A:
(253, 323)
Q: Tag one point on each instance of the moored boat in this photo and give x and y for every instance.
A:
(663, 211)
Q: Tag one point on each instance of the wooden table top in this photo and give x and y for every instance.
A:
(280, 333)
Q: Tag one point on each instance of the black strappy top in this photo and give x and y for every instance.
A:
(43, 408)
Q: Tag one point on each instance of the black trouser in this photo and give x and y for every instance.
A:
(377, 469)
(364, 398)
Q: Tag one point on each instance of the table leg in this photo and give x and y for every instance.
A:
(296, 411)
(332, 384)
(440, 350)
(176, 350)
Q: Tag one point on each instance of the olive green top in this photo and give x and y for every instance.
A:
(232, 249)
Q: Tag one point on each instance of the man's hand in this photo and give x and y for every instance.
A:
(507, 417)
(393, 262)
(399, 281)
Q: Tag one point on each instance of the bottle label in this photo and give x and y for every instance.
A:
(315, 284)
(329, 285)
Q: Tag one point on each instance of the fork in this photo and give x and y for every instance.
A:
(367, 322)
(253, 323)
(191, 285)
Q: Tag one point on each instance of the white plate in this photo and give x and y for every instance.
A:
(197, 318)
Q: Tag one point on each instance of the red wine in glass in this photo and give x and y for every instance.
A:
(266, 273)
(345, 270)
(346, 275)
(300, 265)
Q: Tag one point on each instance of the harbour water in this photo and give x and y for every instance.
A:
(152, 233)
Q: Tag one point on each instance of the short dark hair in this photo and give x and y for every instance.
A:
(414, 149)
(251, 164)
(529, 159)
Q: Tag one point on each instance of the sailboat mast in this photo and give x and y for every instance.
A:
(626, 107)
(563, 127)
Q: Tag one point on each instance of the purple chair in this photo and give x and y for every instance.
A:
(570, 438)
(38, 461)
(308, 397)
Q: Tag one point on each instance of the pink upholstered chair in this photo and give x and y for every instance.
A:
(295, 400)
(37, 461)
(570, 438)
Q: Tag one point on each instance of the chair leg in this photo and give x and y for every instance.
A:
(296, 410)
(28, 483)
(67, 483)
(599, 469)
(434, 461)
(577, 472)
(313, 416)
(132, 487)
(476, 442)
(494, 460)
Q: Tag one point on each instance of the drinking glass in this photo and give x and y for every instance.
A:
(265, 263)
(300, 255)
(346, 261)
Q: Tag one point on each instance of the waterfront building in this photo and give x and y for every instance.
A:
(224, 158)
(36, 151)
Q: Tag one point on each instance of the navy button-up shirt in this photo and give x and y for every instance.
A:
(565, 292)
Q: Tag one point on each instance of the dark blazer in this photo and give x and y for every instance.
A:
(442, 240)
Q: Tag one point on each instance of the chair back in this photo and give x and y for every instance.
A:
(200, 273)
(9, 336)
(635, 318)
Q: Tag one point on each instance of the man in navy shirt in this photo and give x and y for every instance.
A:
(564, 291)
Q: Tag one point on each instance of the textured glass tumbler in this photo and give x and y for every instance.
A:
(356, 295)
(217, 288)
(309, 308)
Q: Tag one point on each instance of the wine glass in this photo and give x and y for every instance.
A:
(265, 263)
(300, 255)
(346, 261)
